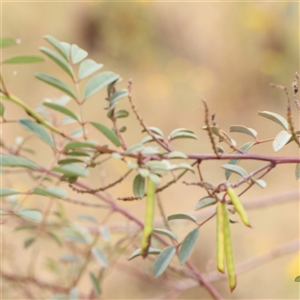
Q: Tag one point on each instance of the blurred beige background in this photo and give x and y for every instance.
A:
(176, 54)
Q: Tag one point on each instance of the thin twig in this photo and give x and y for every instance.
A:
(101, 189)
(140, 119)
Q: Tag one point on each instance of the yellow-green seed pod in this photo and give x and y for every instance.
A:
(238, 206)
(148, 226)
(228, 250)
(220, 238)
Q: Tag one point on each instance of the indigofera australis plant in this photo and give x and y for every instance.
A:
(151, 158)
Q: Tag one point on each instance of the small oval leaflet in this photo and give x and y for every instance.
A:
(77, 145)
(275, 117)
(5, 42)
(8, 192)
(88, 67)
(108, 133)
(71, 170)
(155, 178)
(61, 109)
(29, 242)
(59, 46)
(58, 59)
(166, 232)
(180, 135)
(236, 169)
(16, 161)
(139, 186)
(206, 201)
(138, 252)
(77, 54)
(70, 258)
(188, 245)
(134, 148)
(176, 154)
(100, 257)
(30, 215)
(98, 82)
(96, 285)
(244, 148)
(163, 260)
(56, 83)
(53, 191)
(155, 130)
(281, 139)
(243, 129)
(38, 130)
(23, 59)
(182, 217)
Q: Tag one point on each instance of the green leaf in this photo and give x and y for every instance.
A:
(87, 218)
(236, 169)
(104, 231)
(149, 138)
(297, 279)
(138, 252)
(166, 232)
(16, 161)
(182, 217)
(60, 47)
(71, 170)
(297, 171)
(108, 133)
(55, 238)
(30, 215)
(67, 49)
(2, 110)
(77, 133)
(70, 258)
(281, 140)
(52, 191)
(157, 167)
(95, 283)
(163, 260)
(77, 54)
(38, 130)
(7, 192)
(139, 186)
(180, 135)
(259, 182)
(56, 83)
(150, 150)
(78, 153)
(119, 94)
(73, 295)
(155, 130)
(244, 148)
(188, 245)
(98, 82)
(275, 117)
(206, 201)
(184, 166)
(100, 257)
(58, 59)
(243, 129)
(144, 172)
(134, 148)
(29, 242)
(5, 42)
(155, 178)
(88, 67)
(23, 59)
(77, 145)
(121, 114)
(70, 161)
(176, 154)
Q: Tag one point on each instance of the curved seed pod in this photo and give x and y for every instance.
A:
(238, 206)
(220, 238)
(148, 226)
(228, 250)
